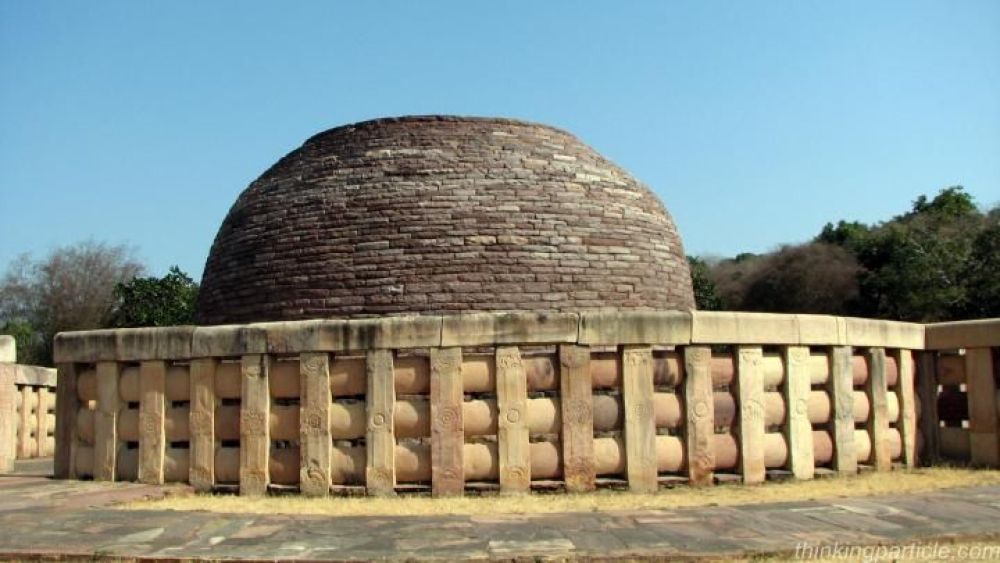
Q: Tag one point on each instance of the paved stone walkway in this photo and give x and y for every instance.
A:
(40, 517)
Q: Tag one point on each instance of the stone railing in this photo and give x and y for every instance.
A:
(513, 400)
(27, 409)
(963, 369)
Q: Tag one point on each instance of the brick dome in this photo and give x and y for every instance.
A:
(442, 215)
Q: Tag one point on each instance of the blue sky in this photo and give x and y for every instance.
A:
(756, 122)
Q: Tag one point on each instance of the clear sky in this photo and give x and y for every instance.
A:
(756, 122)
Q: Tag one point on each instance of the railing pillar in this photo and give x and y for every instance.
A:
(314, 424)
(380, 441)
(67, 405)
(907, 407)
(512, 427)
(201, 421)
(447, 425)
(982, 390)
(840, 387)
(930, 423)
(699, 425)
(576, 397)
(640, 424)
(8, 412)
(798, 429)
(152, 435)
(42, 426)
(877, 390)
(749, 391)
(255, 431)
(106, 421)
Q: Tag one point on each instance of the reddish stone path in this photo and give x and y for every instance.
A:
(40, 517)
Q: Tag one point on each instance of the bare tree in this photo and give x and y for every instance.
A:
(70, 289)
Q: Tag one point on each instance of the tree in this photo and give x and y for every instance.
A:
(914, 265)
(70, 289)
(153, 301)
(983, 274)
(808, 278)
(705, 297)
(937, 261)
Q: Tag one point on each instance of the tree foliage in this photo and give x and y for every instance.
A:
(937, 261)
(705, 296)
(70, 289)
(152, 301)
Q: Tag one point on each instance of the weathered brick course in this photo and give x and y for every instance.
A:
(442, 214)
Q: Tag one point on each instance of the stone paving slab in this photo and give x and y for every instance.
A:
(41, 517)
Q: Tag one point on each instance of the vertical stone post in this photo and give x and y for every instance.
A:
(67, 405)
(447, 425)
(201, 420)
(8, 412)
(798, 429)
(106, 421)
(42, 425)
(982, 391)
(24, 444)
(576, 400)
(314, 426)
(699, 405)
(640, 425)
(152, 434)
(840, 387)
(512, 426)
(380, 439)
(749, 393)
(927, 383)
(255, 432)
(907, 407)
(878, 419)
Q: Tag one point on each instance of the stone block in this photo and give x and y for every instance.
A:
(154, 343)
(8, 349)
(479, 329)
(85, 346)
(635, 327)
(821, 330)
(35, 376)
(227, 341)
(712, 327)
(964, 334)
(884, 334)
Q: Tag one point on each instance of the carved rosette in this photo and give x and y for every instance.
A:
(201, 476)
(253, 480)
(801, 406)
(516, 475)
(379, 479)
(643, 410)
(251, 370)
(698, 354)
(449, 419)
(312, 366)
(313, 422)
(753, 411)
(201, 423)
(508, 360)
(578, 411)
(252, 423)
(579, 470)
(151, 425)
(513, 414)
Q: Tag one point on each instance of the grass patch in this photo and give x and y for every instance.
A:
(867, 484)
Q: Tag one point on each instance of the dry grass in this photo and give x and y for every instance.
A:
(868, 484)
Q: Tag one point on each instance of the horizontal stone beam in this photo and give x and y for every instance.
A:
(983, 333)
(35, 376)
(592, 328)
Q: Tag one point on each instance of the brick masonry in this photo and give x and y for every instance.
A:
(441, 215)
